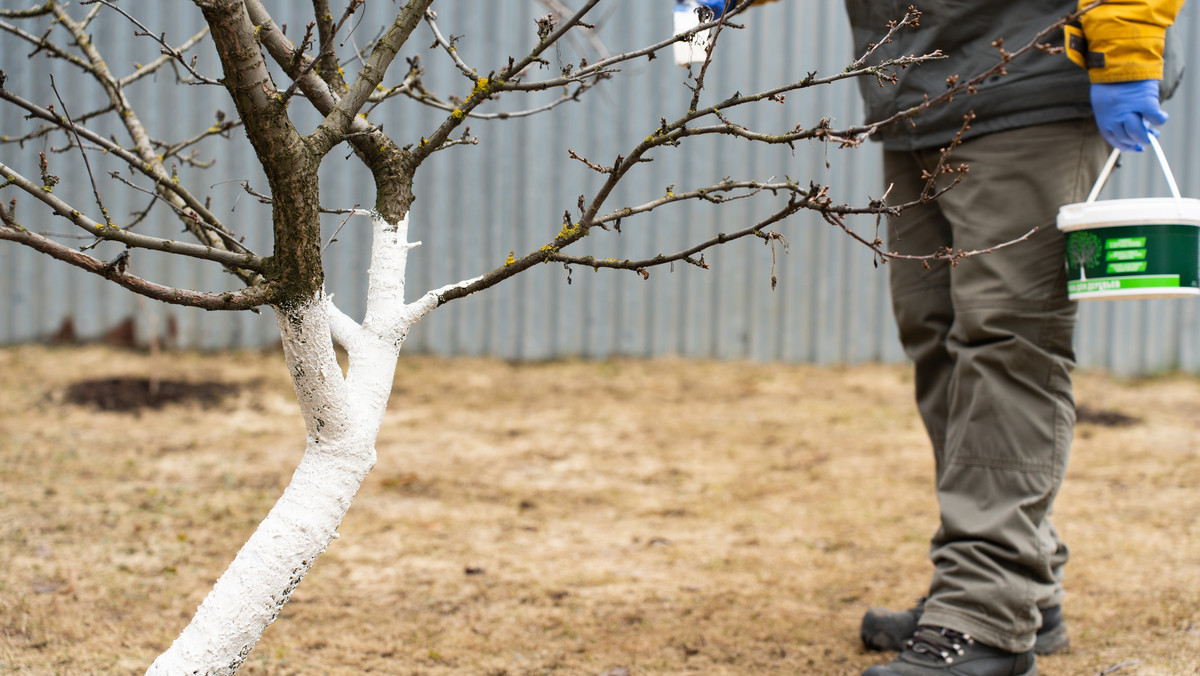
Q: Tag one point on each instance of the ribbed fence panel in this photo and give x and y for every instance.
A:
(475, 204)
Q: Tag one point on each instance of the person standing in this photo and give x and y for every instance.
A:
(991, 338)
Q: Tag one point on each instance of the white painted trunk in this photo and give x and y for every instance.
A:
(342, 415)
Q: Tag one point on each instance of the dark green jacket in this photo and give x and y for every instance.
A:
(1039, 87)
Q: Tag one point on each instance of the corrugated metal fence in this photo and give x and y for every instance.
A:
(477, 203)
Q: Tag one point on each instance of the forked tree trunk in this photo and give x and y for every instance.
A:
(302, 523)
(342, 415)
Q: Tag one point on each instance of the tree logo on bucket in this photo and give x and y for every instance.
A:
(1083, 249)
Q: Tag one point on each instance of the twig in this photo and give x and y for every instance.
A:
(173, 55)
(221, 128)
(930, 191)
(433, 102)
(139, 216)
(87, 165)
(711, 194)
(228, 238)
(35, 11)
(89, 17)
(58, 206)
(115, 149)
(47, 129)
(44, 44)
(350, 213)
(970, 86)
(911, 18)
(245, 299)
(297, 57)
(486, 87)
(699, 78)
(854, 135)
(642, 266)
(267, 199)
(448, 46)
(562, 10)
(160, 39)
(1118, 667)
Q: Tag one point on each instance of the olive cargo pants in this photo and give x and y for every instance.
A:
(991, 341)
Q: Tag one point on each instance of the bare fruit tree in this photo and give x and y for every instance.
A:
(268, 76)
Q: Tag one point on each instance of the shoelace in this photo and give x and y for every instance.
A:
(940, 642)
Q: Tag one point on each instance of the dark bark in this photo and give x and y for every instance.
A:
(391, 166)
(285, 155)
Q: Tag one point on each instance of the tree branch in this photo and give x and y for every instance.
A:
(217, 234)
(485, 87)
(44, 44)
(344, 330)
(391, 166)
(326, 60)
(146, 159)
(338, 122)
(169, 52)
(113, 233)
(35, 11)
(245, 299)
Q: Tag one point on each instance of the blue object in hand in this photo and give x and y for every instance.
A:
(1124, 112)
(717, 7)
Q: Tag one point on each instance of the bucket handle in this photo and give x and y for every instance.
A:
(1112, 162)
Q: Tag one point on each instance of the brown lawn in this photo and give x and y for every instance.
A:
(648, 517)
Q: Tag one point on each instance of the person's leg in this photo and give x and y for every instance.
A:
(920, 294)
(1010, 411)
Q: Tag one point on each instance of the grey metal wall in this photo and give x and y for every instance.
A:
(475, 204)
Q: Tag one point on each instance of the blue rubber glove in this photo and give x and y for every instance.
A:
(1124, 112)
(717, 6)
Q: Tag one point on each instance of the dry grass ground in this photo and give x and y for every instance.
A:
(665, 517)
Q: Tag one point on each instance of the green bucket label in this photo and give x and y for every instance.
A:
(1148, 282)
(1126, 243)
(1125, 255)
(1126, 268)
(1133, 257)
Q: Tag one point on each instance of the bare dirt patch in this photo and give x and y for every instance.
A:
(656, 517)
(1085, 415)
(132, 395)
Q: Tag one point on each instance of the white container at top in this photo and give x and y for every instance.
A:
(688, 15)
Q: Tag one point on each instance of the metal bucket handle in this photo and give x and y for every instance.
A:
(1112, 162)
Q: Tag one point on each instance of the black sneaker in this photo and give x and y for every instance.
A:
(934, 651)
(884, 629)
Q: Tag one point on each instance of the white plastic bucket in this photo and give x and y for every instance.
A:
(1132, 248)
(688, 15)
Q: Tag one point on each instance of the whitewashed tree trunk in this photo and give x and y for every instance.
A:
(342, 415)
